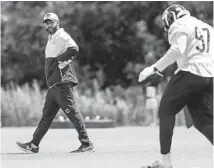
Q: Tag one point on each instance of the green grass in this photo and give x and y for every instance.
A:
(124, 147)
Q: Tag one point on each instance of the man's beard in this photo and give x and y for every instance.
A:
(52, 30)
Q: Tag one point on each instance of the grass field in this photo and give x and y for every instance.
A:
(126, 147)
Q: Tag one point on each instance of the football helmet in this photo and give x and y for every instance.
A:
(173, 13)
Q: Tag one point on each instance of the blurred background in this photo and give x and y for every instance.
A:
(117, 40)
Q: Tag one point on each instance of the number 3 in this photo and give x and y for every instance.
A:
(199, 35)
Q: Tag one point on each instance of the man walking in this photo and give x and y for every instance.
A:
(192, 85)
(61, 79)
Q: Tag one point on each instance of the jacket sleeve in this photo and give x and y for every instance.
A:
(68, 54)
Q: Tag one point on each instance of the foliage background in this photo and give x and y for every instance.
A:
(116, 39)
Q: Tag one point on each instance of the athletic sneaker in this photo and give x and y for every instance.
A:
(28, 147)
(85, 148)
(156, 164)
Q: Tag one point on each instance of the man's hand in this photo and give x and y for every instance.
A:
(148, 71)
(63, 64)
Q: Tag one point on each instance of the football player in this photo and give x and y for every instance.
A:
(191, 48)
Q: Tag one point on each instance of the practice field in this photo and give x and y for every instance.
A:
(126, 147)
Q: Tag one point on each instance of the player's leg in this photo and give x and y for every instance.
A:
(68, 104)
(50, 110)
(201, 109)
(177, 94)
(175, 97)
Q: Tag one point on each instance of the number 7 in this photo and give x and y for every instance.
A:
(200, 36)
(208, 38)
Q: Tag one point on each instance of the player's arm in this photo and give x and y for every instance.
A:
(178, 46)
(71, 51)
(68, 54)
(178, 41)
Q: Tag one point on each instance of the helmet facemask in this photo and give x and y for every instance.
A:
(167, 19)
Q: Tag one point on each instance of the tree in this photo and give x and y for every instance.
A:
(117, 39)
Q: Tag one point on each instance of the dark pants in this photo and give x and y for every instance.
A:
(197, 94)
(60, 96)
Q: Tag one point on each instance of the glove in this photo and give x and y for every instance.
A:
(149, 71)
(63, 64)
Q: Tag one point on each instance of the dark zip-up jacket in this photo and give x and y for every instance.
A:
(60, 47)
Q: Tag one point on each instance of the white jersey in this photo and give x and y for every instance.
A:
(58, 43)
(198, 57)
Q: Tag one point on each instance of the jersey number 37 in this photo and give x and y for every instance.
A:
(203, 35)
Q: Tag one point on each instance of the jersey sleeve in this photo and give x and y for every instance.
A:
(173, 54)
(178, 41)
